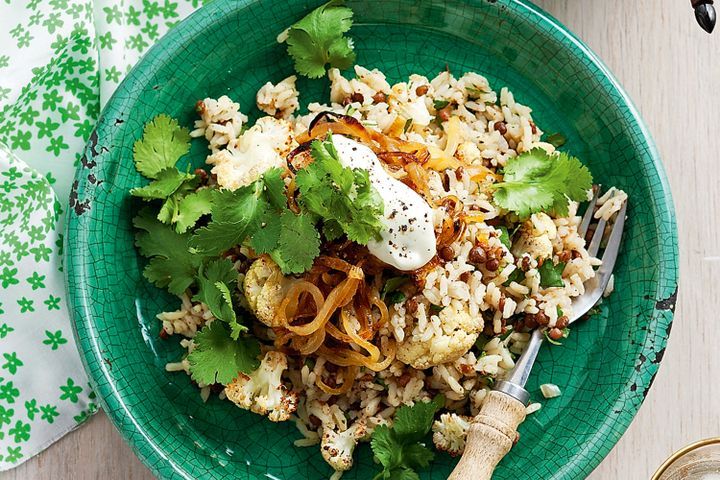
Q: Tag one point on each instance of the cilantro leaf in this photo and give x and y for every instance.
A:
(167, 182)
(163, 142)
(266, 231)
(298, 245)
(217, 358)
(340, 195)
(332, 230)
(505, 237)
(214, 283)
(275, 188)
(535, 181)
(234, 215)
(318, 39)
(390, 292)
(551, 274)
(411, 424)
(171, 266)
(517, 275)
(398, 449)
(190, 208)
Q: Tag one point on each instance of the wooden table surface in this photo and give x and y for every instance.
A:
(671, 69)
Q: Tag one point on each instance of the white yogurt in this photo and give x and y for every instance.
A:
(408, 238)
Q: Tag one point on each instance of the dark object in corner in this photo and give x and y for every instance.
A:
(704, 14)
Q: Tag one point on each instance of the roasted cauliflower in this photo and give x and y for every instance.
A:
(337, 447)
(262, 391)
(536, 237)
(265, 287)
(459, 332)
(449, 433)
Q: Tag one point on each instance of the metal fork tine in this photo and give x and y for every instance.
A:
(613, 245)
(587, 218)
(594, 247)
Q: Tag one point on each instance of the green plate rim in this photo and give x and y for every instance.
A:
(640, 380)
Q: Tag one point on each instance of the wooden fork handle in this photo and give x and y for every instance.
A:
(490, 437)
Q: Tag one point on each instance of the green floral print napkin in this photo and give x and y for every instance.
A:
(60, 61)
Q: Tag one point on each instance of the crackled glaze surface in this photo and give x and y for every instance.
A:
(604, 368)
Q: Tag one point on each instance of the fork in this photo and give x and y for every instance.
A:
(494, 430)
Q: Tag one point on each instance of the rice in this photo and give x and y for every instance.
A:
(447, 309)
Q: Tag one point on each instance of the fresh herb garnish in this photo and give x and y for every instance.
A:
(399, 449)
(473, 92)
(408, 124)
(155, 155)
(217, 358)
(551, 274)
(505, 237)
(435, 309)
(216, 281)
(341, 196)
(517, 275)
(391, 293)
(557, 139)
(535, 181)
(440, 104)
(481, 341)
(171, 266)
(259, 212)
(317, 40)
(163, 142)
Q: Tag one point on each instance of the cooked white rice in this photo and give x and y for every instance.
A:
(471, 135)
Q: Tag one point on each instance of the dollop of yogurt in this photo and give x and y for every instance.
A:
(408, 238)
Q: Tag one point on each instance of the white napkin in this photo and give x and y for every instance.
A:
(44, 392)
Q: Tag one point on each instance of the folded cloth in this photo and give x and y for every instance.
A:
(60, 61)
(44, 392)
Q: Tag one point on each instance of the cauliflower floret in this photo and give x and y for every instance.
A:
(279, 100)
(265, 287)
(536, 236)
(459, 330)
(449, 433)
(260, 148)
(262, 391)
(337, 447)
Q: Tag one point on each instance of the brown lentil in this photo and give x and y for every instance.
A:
(564, 256)
(492, 264)
(379, 97)
(357, 97)
(541, 319)
(500, 127)
(562, 322)
(530, 321)
(477, 255)
(465, 277)
(403, 379)
(555, 333)
(421, 90)
(525, 264)
(447, 253)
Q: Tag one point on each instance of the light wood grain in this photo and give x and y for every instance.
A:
(490, 438)
(671, 69)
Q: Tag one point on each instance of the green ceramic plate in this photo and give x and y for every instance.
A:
(228, 47)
